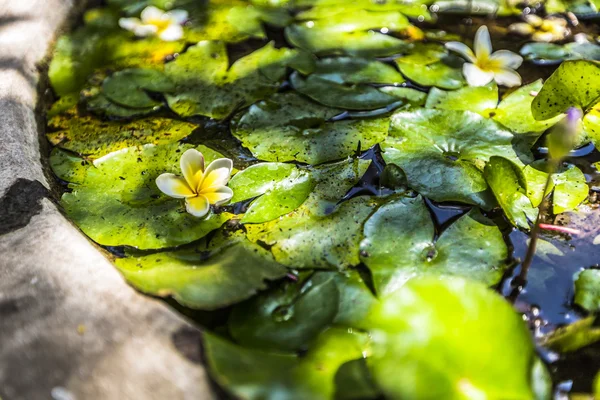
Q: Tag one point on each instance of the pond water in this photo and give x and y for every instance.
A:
(356, 224)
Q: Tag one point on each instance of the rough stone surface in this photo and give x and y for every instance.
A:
(70, 327)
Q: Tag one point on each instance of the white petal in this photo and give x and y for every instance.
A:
(521, 28)
(197, 206)
(129, 23)
(483, 43)
(461, 49)
(217, 174)
(151, 13)
(174, 186)
(172, 33)
(219, 195)
(179, 16)
(476, 76)
(145, 30)
(507, 77)
(507, 58)
(192, 165)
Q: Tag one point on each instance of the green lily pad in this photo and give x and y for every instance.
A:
(509, 186)
(456, 333)
(87, 135)
(356, 301)
(343, 82)
(515, 113)
(329, 8)
(68, 167)
(280, 188)
(207, 276)
(350, 33)
(572, 337)
(587, 290)
(301, 240)
(129, 87)
(591, 125)
(544, 53)
(205, 84)
(479, 99)
(471, 247)
(288, 317)
(119, 204)
(568, 185)
(430, 64)
(573, 84)
(253, 374)
(443, 153)
(353, 381)
(288, 127)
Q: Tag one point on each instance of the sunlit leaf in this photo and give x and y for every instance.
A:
(478, 99)
(573, 336)
(587, 290)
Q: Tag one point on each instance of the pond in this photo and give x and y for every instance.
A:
(354, 200)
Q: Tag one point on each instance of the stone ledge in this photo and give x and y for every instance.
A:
(70, 327)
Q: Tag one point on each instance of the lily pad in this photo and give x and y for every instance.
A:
(551, 54)
(431, 65)
(591, 125)
(304, 241)
(587, 290)
(572, 337)
(207, 276)
(343, 82)
(326, 9)
(206, 85)
(90, 136)
(515, 113)
(400, 243)
(119, 204)
(350, 33)
(288, 317)
(68, 167)
(443, 153)
(280, 188)
(573, 84)
(479, 99)
(253, 374)
(129, 87)
(356, 301)
(456, 333)
(288, 127)
(509, 186)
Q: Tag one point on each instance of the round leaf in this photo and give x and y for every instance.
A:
(128, 87)
(587, 290)
(478, 99)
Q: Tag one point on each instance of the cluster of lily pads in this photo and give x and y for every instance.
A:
(287, 181)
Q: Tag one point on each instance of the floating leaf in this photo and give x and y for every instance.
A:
(551, 54)
(280, 188)
(253, 374)
(119, 204)
(399, 244)
(430, 65)
(350, 33)
(205, 84)
(301, 240)
(514, 111)
(67, 167)
(508, 184)
(344, 82)
(129, 87)
(478, 99)
(356, 301)
(207, 276)
(288, 317)
(573, 84)
(288, 127)
(87, 135)
(587, 290)
(573, 336)
(591, 125)
(328, 8)
(353, 381)
(443, 153)
(456, 333)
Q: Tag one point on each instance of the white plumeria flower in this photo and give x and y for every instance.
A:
(551, 29)
(485, 66)
(155, 22)
(199, 187)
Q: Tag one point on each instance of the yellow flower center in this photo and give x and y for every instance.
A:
(487, 64)
(160, 23)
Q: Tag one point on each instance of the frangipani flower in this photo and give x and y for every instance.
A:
(551, 29)
(483, 66)
(199, 187)
(155, 22)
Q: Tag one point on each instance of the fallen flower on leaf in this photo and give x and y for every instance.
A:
(156, 22)
(483, 66)
(199, 187)
(550, 29)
